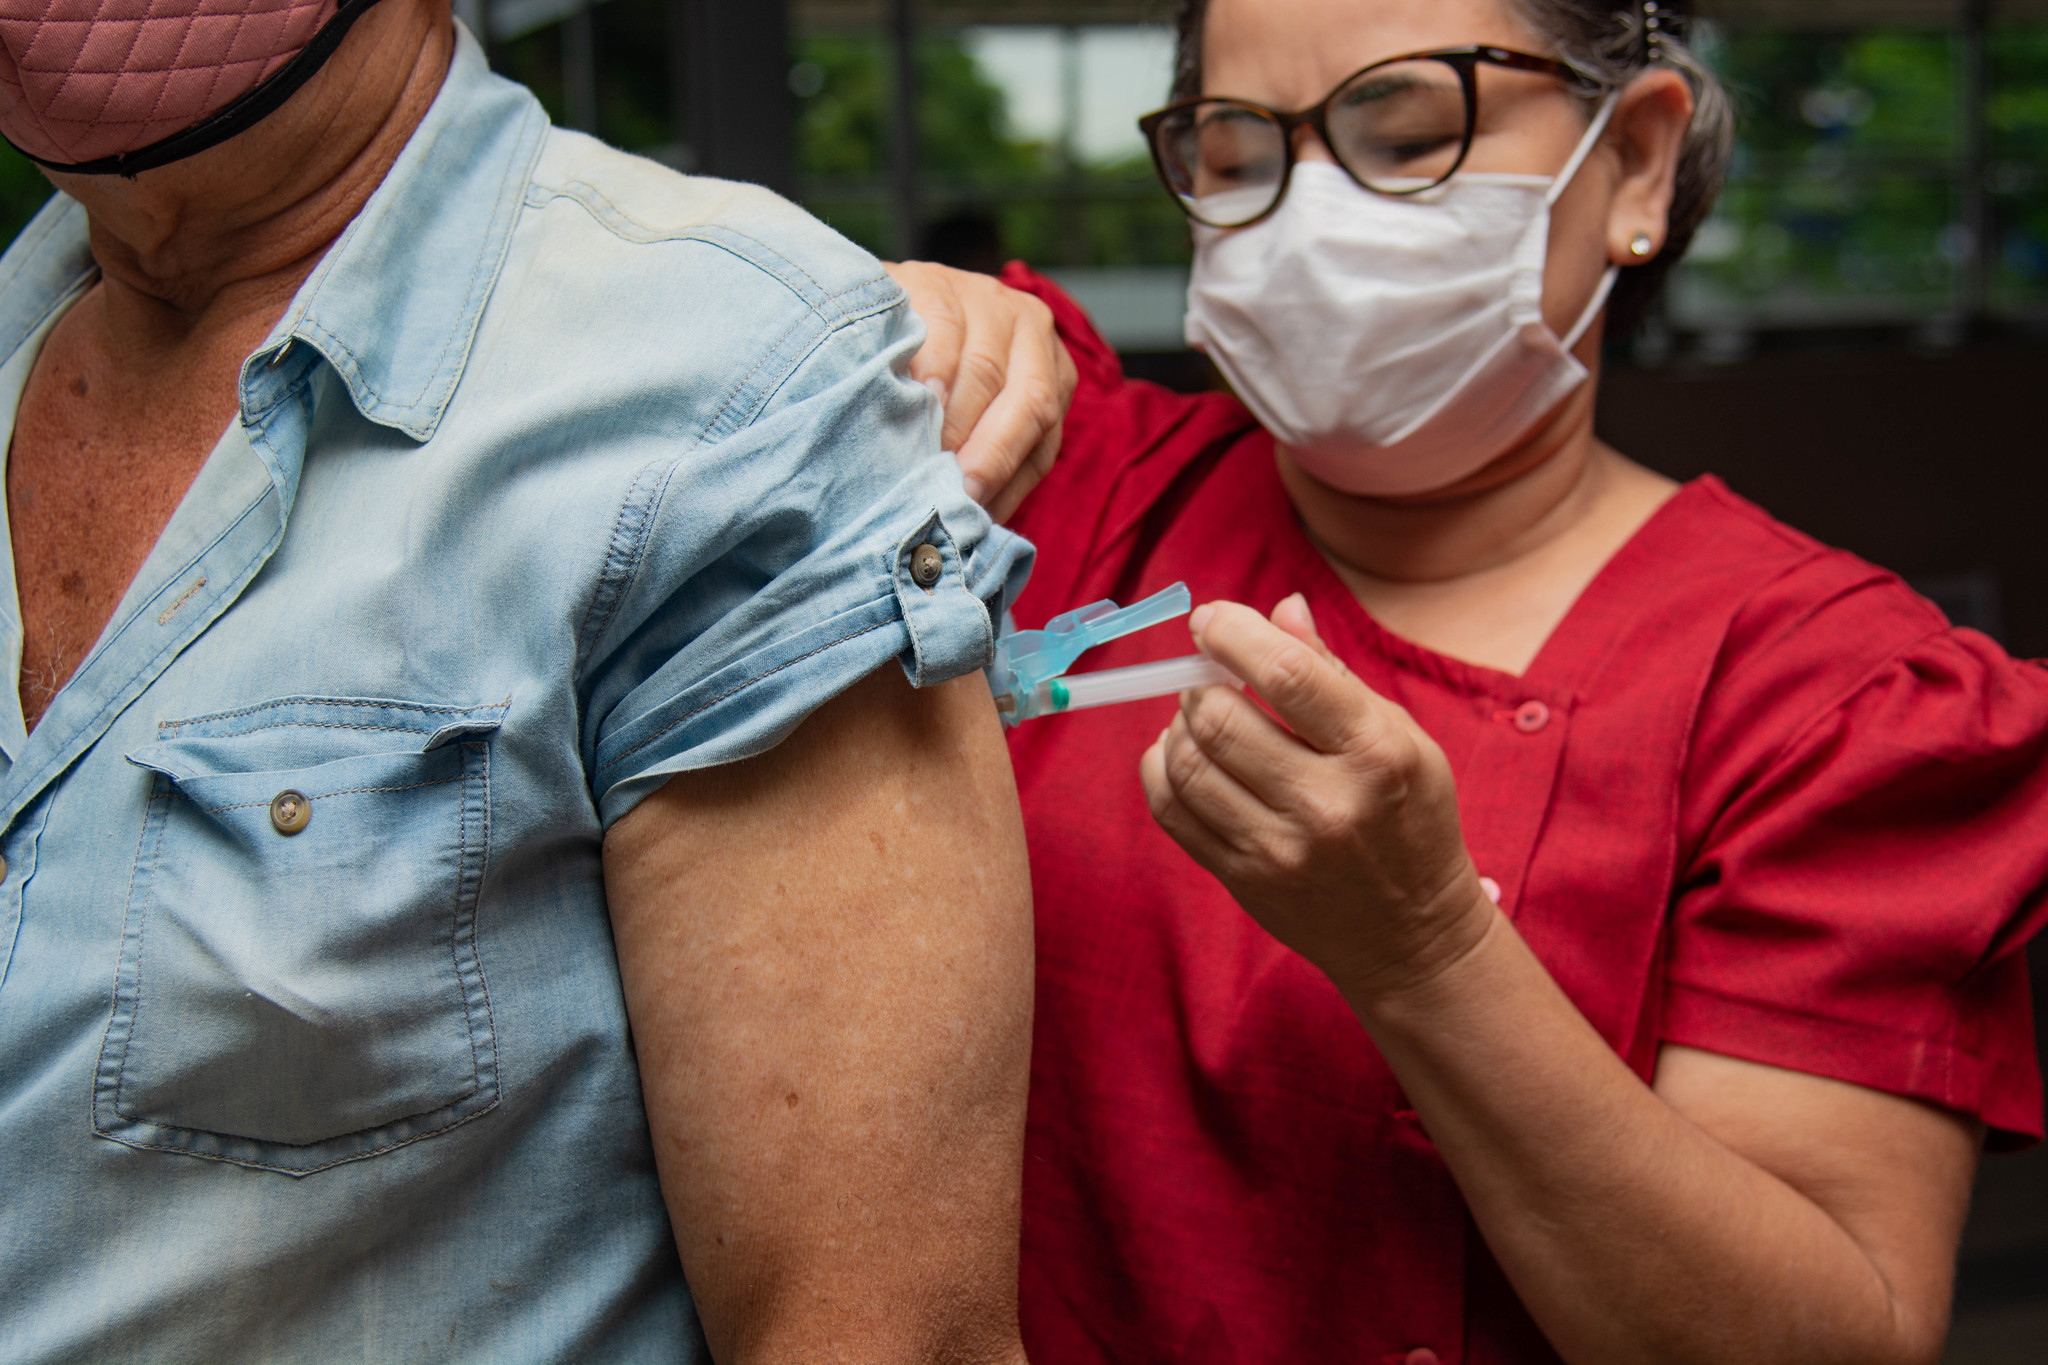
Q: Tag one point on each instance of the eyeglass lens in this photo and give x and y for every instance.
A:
(1398, 128)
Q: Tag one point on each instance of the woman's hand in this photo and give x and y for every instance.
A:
(1628, 1219)
(1338, 833)
(992, 356)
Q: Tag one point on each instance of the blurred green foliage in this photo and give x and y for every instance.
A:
(2018, 118)
(1847, 196)
(23, 190)
(1046, 211)
(1845, 182)
(1846, 192)
(630, 41)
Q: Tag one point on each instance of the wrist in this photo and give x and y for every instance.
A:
(1462, 920)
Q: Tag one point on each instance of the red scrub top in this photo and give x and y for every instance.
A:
(1754, 796)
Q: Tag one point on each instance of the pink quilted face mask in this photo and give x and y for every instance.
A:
(97, 86)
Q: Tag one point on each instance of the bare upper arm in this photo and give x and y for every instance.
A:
(1893, 1172)
(827, 956)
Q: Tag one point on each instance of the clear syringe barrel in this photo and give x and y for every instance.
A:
(1138, 683)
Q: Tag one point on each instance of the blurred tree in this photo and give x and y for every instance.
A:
(1845, 183)
(2018, 116)
(969, 161)
(23, 190)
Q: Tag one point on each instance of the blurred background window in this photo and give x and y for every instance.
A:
(1025, 145)
(1892, 176)
(1890, 171)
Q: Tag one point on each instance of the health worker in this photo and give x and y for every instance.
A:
(1595, 935)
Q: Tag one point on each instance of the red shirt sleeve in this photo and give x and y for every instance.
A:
(1866, 849)
(1129, 446)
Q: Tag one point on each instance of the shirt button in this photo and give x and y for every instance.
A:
(926, 564)
(289, 811)
(1531, 716)
(3, 869)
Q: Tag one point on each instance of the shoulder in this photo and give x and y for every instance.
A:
(1807, 625)
(1835, 682)
(676, 234)
(1128, 446)
(680, 306)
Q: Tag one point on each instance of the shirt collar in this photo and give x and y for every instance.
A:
(394, 305)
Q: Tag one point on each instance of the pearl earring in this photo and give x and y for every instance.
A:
(1641, 245)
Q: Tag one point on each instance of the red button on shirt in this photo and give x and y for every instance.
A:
(1755, 798)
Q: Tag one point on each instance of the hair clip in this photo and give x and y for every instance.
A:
(1653, 31)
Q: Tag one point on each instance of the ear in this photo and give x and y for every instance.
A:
(1648, 132)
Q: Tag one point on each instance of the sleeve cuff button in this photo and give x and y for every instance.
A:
(926, 564)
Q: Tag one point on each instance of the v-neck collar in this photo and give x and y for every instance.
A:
(1569, 656)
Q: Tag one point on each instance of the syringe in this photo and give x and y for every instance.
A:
(1141, 682)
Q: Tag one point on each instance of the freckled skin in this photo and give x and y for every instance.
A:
(103, 451)
(137, 381)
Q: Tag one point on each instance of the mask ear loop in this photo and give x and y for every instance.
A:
(1557, 189)
(1585, 149)
(1600, 295)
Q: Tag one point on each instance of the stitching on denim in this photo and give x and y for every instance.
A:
(622, 567)
(741, 687)
(621, 563)
(296, 725)
(115, 700)
(590, 197)
(254, 1165)
(490, 266)
(746, 381)
(322, 701)
(114, 1006)
(322, 796)
(462, 894)
(141, 941)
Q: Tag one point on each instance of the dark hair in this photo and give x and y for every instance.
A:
(1613, 43)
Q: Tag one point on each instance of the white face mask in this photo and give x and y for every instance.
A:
(1394, 346)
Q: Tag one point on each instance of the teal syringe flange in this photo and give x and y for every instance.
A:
(1029, 663)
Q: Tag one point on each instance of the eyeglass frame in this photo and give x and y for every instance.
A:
(1466, 61)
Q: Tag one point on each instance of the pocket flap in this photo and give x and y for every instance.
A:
(282, 734)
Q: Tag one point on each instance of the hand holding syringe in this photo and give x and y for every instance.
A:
(1028, 674)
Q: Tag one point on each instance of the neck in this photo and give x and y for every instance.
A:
(1511, 509)
(228, 236)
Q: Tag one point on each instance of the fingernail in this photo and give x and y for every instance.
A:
(938, 388)
(976, 489)
(1199, 622)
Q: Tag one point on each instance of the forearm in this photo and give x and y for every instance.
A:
(1630, 1233)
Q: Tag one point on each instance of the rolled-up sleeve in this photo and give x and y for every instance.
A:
(751, 579)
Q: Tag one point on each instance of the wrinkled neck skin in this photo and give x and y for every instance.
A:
(222, 240)
(1487, 520)
(1485, 569)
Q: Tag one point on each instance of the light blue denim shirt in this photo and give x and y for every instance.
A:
(562, 474)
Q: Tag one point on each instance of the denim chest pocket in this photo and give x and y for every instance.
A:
(299, 983)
